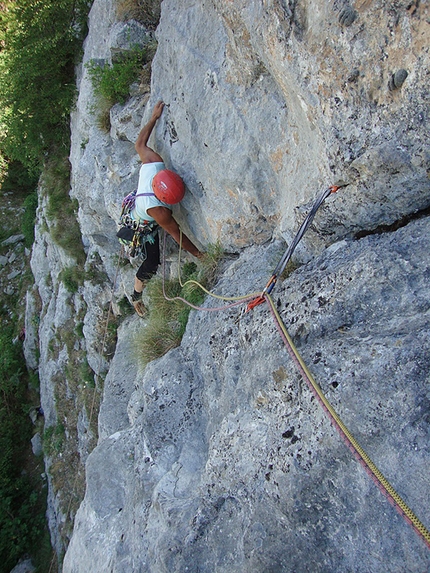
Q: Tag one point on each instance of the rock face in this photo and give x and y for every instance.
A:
(228, 463)
(217, 458)
(286, 100)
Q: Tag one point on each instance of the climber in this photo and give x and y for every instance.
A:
(160, 188)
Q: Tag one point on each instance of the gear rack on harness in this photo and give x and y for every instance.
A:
(134, 234)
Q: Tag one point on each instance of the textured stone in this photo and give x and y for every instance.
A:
(119, 382)
(229, 464)
(127, 35)
(272, 114)
(347, 16)
(397, 79)
(36, 444)
(25, 566)
(12, 240)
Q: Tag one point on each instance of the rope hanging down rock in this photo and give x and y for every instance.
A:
(380, 480)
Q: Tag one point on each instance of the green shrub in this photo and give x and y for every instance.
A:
(72, 278)
(17, 179)
(53, 439)
(112, 82)
(86, 374)
(95, 271)
(21, 518)
(79, 330)
(125, 307)
(41, 42)
(62, 209)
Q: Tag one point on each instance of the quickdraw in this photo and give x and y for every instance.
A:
(280, 267)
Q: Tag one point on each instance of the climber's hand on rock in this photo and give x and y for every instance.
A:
(158, 110)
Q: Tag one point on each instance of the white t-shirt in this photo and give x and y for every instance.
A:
(148, 200)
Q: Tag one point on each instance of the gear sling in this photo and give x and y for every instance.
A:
(133, 234)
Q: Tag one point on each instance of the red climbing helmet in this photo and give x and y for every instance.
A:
(168, 187)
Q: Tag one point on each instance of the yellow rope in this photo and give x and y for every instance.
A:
(192, 281)
(377, 475)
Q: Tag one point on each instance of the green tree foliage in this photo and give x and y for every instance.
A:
(40, 41)
(21, 521)
(17, 179)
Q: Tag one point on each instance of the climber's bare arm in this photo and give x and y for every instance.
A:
(146, 154)
(164, 218)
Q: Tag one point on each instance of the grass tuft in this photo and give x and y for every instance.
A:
(289, 269)
(62, 209)
(111, 82)
(167, 319)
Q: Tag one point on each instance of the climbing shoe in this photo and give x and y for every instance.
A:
(139, 307)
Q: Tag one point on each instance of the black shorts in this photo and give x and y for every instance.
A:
(151, 252)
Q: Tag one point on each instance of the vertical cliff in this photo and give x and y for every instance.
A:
(217, 457)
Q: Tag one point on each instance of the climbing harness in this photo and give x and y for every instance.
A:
(254, 300)
(134, 234)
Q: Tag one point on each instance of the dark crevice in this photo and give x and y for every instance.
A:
(394, 226)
